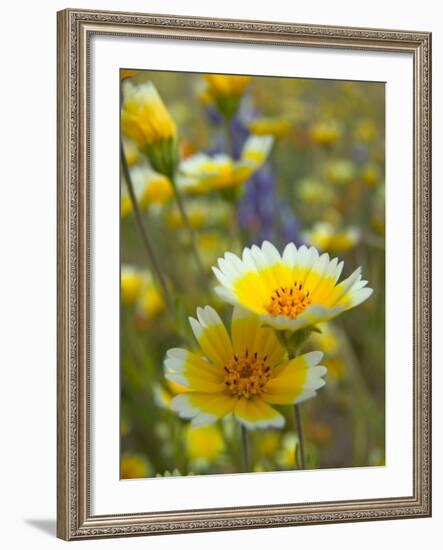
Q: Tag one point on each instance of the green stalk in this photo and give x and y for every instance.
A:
(191, 233)
(245, 447)
(299, 451)
(144, 235)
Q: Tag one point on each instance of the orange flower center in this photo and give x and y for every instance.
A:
(246, 374)
(289, 301)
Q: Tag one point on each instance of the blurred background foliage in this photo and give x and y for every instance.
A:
(322, 184)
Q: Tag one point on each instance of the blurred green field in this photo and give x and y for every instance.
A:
(321, 184)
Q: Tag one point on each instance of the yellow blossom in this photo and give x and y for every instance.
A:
(197, 211)
(287, 453)
(146, 120)
(370, 174)
(226, 91)
(327, 340)
(313, 192)
(324, 237)
(277, 127)
(204, 442)
(227, 85)
(325, 133)
(131, 284)
(126, 204)
(150, 300)
(243, 373)
(268, 444)
(133, 466)
(150, 187)
(340, 171)
(202, 173)
(292, 291)
(365, 130)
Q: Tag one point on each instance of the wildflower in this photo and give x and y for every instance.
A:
(226, 91)
(365, 131)
(370, 174)
(290, 292)
(132, 152)
(268, 443)
(227, 85)
(340, 171)
(325, 133)
(243, 373)
(150, 187)
(150, 302)
(131, 284)
(326, 340)
(133, 466)
(277, 127)
(146, 121)
(324, 237)
(313, 192)
(204, 442)
(197, 211)
(286, 455)
(202, 173)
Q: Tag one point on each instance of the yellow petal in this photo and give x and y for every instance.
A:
(295, 380)
(248, 334)
(212, 335)
(255, 413)
(191, 371)
(203, 408)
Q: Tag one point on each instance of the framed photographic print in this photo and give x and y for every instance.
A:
(243, 274)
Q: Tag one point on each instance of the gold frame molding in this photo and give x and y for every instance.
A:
(75, 29)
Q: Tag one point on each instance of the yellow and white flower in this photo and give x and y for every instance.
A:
(325, 237)
(146, 120)
(150, 187)
(202, 173)
(313, 192)
(243, 373)
(291, 291)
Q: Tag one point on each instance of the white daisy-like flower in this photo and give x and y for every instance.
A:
(244, 373)
(292, 291)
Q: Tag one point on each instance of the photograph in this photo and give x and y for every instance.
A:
(252, 273)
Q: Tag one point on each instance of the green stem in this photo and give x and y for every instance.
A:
(299, 451)
(144, 236)
(245, 447)
(191, 233)
(301, 440)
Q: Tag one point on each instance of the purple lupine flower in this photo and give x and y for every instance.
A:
(256, 211)
(290, 226)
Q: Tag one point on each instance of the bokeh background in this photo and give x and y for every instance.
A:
(322, 184)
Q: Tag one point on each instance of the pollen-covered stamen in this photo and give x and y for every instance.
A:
(246, 374)
(289, 301)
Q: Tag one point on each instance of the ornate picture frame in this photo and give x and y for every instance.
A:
(75, 30)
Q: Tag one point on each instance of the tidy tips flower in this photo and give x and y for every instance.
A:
(226, 91)
(202, 173)
(324, 236)
(243, 373)
(292, 291)
(146, 120)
